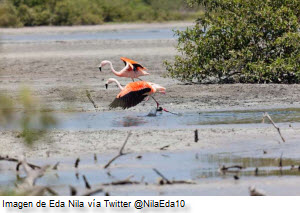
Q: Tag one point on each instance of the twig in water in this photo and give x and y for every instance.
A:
(91, 99)
(55, 166)
(164, 147)
(73, 190)
(77, 162)
(236, 177)
(280, 161)
(19, 163)
(95, 158)
(256, 171)
(123, 182)
(196, 136)
(266, 115)
(162, 176)
(87, 185)
(92, 192)
(226, 168)
(120, 152)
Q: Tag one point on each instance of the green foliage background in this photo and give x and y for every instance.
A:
(15, 13)
(238, 41)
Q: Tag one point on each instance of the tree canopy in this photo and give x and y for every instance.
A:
(241, 41)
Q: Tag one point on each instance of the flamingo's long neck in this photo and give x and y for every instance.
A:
(114, 71)
(118, 83)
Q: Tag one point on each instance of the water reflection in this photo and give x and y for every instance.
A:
(129, 121)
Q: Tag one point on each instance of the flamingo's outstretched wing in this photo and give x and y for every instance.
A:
(133, 64)
(130, 99)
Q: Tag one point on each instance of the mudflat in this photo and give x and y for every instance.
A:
(59, 73)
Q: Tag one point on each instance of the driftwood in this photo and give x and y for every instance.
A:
(55, 166)
(161, 182)
(162, 176)
(227, 168)
(87, 185)
(73, 190)
(18, 162)
(120, 152)
(126, 181)
(92, 192)
(196, 136)
(266, 115)
(164, 147)
(77, 162)
(91, 99)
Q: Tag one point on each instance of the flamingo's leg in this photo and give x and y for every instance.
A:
(157, 104)
(147, 98)
(140, 79)
(132, 79)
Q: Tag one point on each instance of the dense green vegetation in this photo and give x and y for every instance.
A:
(255, 41)
(16, 13)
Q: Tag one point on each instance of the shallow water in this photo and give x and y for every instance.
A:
(194, 166)
(166, 33)
(162, 120)
(129, 119)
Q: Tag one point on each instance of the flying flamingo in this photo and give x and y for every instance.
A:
(131, 70)
(134, 93)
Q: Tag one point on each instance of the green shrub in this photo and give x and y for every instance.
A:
(253, 41)
(8, 15)
(77, 12)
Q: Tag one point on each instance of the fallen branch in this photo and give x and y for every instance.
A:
(73, 190)
(120, 152)
(91, 99)
(164, 147)
(87, 185)
(55, 166)
(77, 162)
(162, 176)
(266, 115)
(196, 136)
(226, 168)
(92, 192)
(19, 163)
(126, 181)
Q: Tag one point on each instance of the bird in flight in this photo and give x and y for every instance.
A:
(131, 70)
(134, 93)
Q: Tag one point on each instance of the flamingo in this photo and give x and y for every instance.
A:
(131, 70)
(134, 93)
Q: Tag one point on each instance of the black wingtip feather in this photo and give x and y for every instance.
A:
(130, 100)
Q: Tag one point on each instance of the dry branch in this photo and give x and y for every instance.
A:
(19, 163)
(196, 136)
(77, 162)
(92, 192)
(91, 99)
(126, 181)
(87, 185)
(55, 166)
(162, 176)
(226, 168)
(266, 115)
(164, 147)
(120, 152)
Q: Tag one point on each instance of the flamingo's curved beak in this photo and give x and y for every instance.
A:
(100, 69)
(106, 86)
